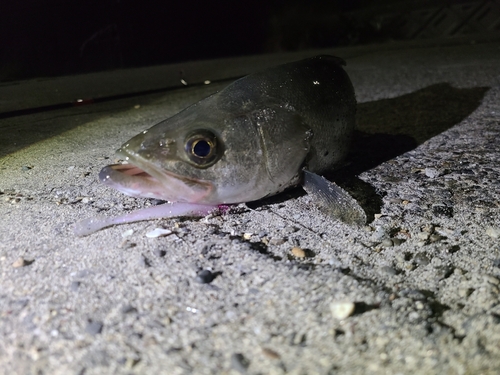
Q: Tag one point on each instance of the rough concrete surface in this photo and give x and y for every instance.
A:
(288, 289)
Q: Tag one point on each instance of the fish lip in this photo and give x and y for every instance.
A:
(149, 181)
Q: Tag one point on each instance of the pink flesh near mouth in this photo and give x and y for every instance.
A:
(134, 181)
(131, 180)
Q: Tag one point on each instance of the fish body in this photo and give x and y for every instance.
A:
(251, 140)
(260, 132)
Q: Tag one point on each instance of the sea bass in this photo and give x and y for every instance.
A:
(260, 135)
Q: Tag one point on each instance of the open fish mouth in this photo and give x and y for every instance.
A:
(151, 182)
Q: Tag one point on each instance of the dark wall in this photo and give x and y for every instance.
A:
(54, 37)
(59, 37)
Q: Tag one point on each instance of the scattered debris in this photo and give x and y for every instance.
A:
(239, 363)
(20, 262)
(205, 277)
(128, 233)
(298, 252)
(158, 232)
(342, 309)
(94, 327)
(270, 353)
(493, 232)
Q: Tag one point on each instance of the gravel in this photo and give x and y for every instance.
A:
(426, 161)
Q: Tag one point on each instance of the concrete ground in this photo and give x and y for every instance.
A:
(415, 291)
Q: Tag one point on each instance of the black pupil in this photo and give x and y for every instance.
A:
(202, 148)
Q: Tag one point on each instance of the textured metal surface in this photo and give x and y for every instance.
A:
(433, 19)
(311, 26)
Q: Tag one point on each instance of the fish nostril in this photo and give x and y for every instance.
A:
(166, 142)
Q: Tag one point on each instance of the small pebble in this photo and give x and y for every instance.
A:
(379, 234)
(421, 259)
(397, 241)
(424, 236)
(247, 236)
(290, 230)
(75, 285)
(126, 244)
(144, 261)
(131, 362)
(276, 241)
(387, 243)
(465, 292)
(158, 232)
(429, 228)
(128, 233)
(442, 210)
(342, 309)
(389, 270)
(205, 277)
(493, 232)
(128, 309)
(83, 273)
(431, 172)
(491, 279)
(270, 353)
(298, 339)
(298, 252)
(239, 363)
(20, 262)
(436, 262)
(395, 200)
(435, 237)
(94, 327)
(160, 253)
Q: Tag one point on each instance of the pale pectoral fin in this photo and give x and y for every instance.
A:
(333, 200)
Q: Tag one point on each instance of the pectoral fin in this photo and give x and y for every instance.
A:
(333, 200)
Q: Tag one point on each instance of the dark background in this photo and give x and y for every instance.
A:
(58, 37)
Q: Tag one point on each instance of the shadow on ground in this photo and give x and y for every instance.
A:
(388, 128)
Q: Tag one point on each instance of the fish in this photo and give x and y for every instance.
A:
(262, 134)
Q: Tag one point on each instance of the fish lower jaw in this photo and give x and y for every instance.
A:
(133, 181)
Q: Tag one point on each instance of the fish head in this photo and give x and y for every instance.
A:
(201, 155)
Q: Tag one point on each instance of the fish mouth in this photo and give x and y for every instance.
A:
(141, 179)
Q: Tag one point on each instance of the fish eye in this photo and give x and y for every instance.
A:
(201, 148)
